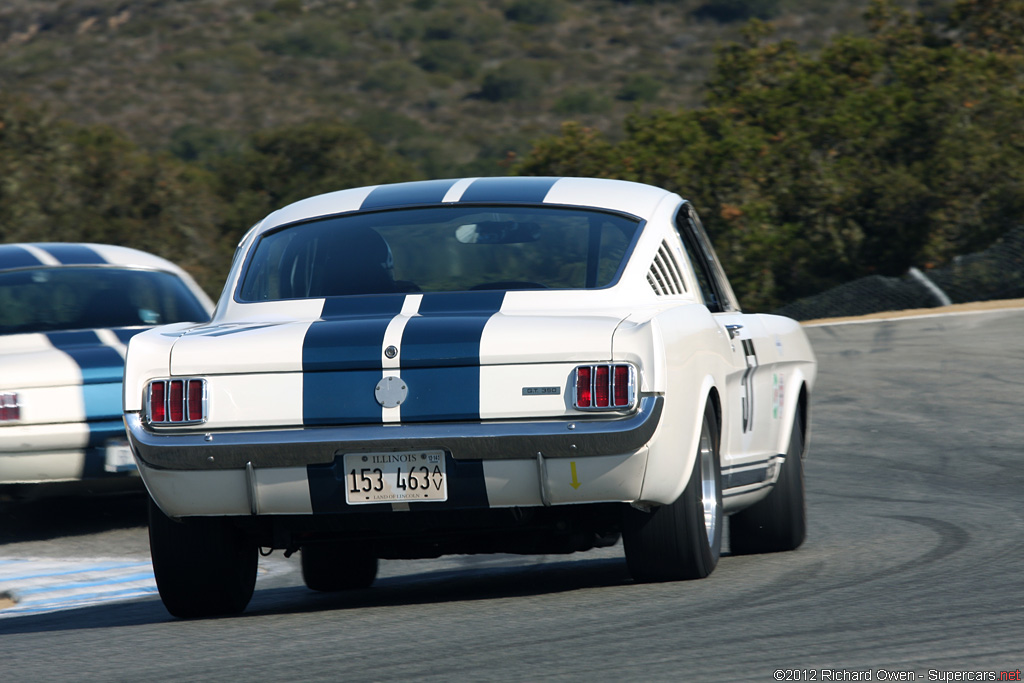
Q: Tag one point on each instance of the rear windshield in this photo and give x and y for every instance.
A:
(440, 250)
(72, 298)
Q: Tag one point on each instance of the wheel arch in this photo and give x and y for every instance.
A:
(673, 449)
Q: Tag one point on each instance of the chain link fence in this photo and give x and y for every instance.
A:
(995, 273)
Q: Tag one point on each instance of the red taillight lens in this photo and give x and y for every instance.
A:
(583, 387)
(195, 400)
(621, 386)
(10, 409)
(177, 401)
(156, 402)
(604, 387)
(601, 386)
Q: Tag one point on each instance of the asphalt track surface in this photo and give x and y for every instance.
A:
(913, 563)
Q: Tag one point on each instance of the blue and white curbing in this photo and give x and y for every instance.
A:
(37, 586)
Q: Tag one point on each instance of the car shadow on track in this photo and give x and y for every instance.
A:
(454, 585)
(48, 518)
(457, 585)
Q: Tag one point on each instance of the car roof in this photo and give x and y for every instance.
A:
(57, 254)
(601, 193)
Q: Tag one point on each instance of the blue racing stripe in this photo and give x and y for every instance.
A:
(124, 334)
(447, 330)
(72, 254)
(99, 363)
(407, 194)
(341, 361)
(102, 374)
(340, 397)
(441, 355)
(733, 479)
(350, 333)
(515, 190)
(12, 256)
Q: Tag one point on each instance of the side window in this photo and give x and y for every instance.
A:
(702, 266)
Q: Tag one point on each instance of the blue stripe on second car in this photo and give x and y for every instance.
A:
(72, 254)
(441, 355)
(12, 256)
(99, 363)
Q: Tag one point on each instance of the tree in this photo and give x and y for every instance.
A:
(879, 152)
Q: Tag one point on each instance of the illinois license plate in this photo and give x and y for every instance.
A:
(407, 477)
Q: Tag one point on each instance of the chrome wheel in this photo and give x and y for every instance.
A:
(710, 494)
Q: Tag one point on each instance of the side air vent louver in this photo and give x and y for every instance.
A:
(665, 277)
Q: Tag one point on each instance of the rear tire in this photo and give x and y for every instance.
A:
(332, 567)
(778, 522)
(682, 540)
(204, 566)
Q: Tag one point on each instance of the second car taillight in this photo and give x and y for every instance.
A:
(605, 387)
(176, 401)
(10, 409)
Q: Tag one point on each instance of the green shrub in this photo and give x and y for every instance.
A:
(582, 101)
(448, 57)
(513, 80)
(535, 12)
(639, 88)
(392, 77)
(319, 41)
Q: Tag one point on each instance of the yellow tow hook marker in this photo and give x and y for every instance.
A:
(575, 483)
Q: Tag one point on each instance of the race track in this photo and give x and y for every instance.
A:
(913, 563)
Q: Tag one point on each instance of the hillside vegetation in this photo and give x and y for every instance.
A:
(814, 154)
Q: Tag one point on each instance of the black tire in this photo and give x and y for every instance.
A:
(204, 566)
(682, 540)
(779, 521)
(332, 567)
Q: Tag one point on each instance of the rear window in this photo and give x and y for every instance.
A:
(71, 298)
(441, 249)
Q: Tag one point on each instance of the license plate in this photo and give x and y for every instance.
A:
(119, 457)
(407, 477)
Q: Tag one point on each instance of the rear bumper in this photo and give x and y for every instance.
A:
(63, 452)
(297, 472)
(487, 441)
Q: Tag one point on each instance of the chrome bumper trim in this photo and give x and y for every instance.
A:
(507, 440)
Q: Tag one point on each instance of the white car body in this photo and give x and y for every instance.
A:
(292, 385)
(61, 420)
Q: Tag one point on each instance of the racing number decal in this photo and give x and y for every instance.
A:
(748, 385)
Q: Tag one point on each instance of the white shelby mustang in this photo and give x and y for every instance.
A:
(528, 365)
(67, 311)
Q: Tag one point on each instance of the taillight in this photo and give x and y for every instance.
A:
(10, 409)
(605, 387)
(583, 395)
(176, 401)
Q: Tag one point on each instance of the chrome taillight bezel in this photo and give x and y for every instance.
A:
(187, 402)
(613, 383)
